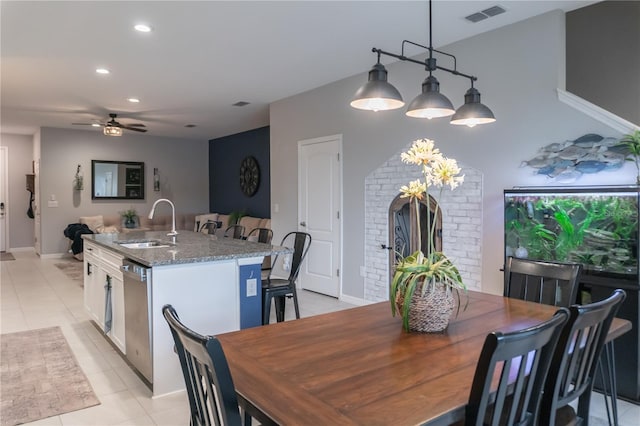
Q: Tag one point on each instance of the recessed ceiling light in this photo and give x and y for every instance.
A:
(143, 28)
(189, 126)
(95, 125)
(102, 71)
(134, 100)
(241, 103)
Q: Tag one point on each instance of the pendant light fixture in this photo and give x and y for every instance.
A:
(472, 112)
(378, 94)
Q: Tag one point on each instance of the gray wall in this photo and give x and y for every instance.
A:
(603, 56)
(519, 68)
(20, 226)
(183, 169)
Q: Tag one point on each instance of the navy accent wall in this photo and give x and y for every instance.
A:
(225, 156)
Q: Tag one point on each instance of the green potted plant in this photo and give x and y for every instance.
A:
(632, 142)
(424, 285)
(129, 218)
(235, 216)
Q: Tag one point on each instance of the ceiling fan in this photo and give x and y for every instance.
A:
(113, 127)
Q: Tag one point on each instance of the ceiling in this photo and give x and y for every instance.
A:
(202, 57)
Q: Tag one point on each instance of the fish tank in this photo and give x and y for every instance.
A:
(595, 226)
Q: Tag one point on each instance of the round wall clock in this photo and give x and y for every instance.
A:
(249, 176)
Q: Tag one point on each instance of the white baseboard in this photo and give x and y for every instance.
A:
(22, 249)
(54, 255)
(354, 300)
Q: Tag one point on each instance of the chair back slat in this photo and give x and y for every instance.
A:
(234, 231)
(210, 389)
(521, 359)
(210, 226)
(261, 235)
(576, 357)
(301, 244)
(550, 283)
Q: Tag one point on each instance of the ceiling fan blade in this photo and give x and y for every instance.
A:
(135, 129)
(86, 124)
(137, 125)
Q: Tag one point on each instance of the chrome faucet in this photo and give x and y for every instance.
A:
(173, 232)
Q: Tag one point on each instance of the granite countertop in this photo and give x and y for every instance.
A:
(189, 247)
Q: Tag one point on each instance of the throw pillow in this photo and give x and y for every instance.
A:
(93, 222)
(107, 230)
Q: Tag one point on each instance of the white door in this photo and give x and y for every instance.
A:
(4, 177)
(319, 205)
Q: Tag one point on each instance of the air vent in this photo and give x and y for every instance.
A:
(476, 17)
(487, 13)
(493, 11)
(241, 103)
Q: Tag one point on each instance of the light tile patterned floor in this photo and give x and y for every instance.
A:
(34, 294)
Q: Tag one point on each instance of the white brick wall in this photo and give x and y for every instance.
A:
(461, 223)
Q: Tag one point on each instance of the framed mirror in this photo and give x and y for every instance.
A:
(117, 180)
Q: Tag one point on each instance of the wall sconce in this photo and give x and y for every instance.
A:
(379, 95)
(156, 179)
(78, 183)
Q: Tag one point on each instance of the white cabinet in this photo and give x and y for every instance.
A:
(114, 280)
(94, 296)
(102, 275)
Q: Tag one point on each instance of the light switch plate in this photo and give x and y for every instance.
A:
(252, 287)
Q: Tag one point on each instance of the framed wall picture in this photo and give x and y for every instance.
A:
(117, 180)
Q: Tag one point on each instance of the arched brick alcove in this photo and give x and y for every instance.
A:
(461, 223)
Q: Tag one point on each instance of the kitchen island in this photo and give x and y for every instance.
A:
(213, 283)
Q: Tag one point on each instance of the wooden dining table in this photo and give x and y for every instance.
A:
(357, 366)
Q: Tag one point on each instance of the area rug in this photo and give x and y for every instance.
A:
(40, 377)
(71, 269)
(6, 256)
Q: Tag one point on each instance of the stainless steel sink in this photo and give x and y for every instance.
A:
(144, 244)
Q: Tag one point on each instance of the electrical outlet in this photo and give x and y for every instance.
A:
(252, 287)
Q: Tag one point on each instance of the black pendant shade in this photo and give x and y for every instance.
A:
(430, 103)
(473, 112)
(377, 94)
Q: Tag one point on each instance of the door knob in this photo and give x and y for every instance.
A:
(303, 223)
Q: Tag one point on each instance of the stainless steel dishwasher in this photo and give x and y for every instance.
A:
(137, 322)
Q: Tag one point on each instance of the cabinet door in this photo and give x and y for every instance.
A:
(117, 312)
(94, 290)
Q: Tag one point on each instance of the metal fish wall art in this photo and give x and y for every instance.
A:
(565, 162)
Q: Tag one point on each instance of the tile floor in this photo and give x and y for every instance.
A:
(35, 294)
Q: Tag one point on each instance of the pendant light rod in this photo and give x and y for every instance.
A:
(429, 65)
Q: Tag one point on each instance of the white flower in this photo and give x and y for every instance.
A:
(445, 172)
(422, 152)
(416, 189)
